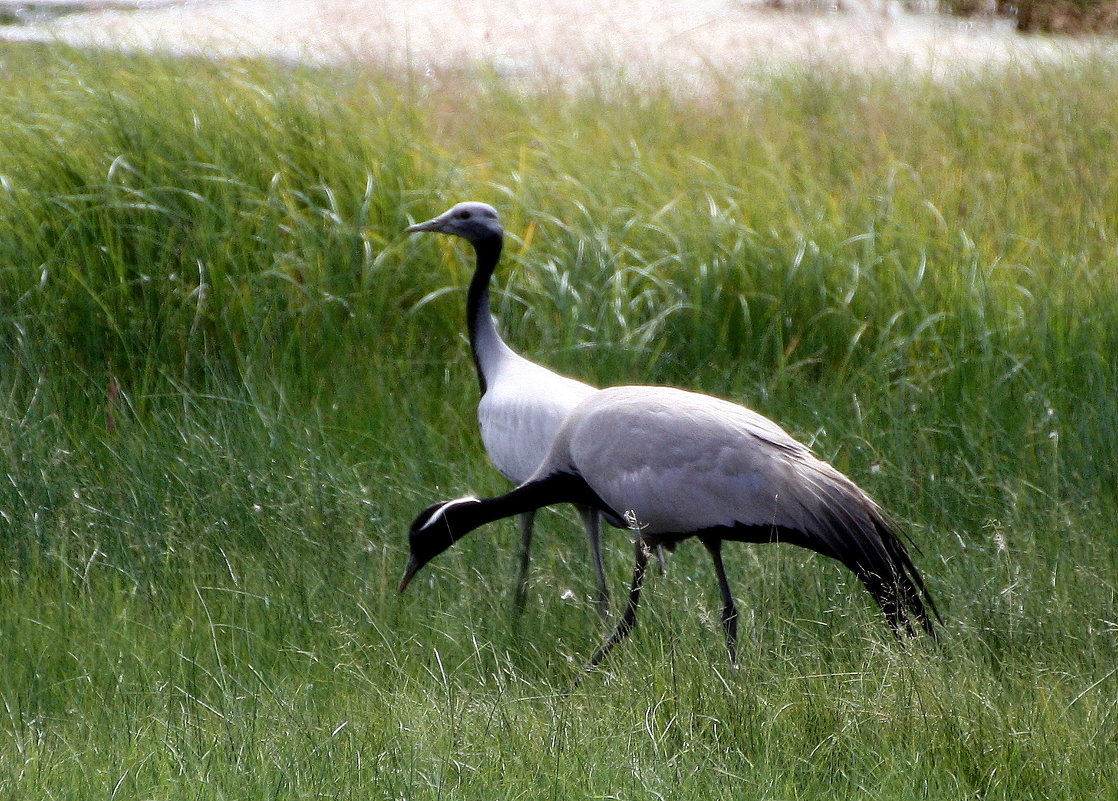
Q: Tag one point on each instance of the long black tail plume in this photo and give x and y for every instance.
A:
(897, 586)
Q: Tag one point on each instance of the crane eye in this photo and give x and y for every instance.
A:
(464, 214)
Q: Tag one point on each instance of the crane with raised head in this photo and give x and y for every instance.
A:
(522, 403)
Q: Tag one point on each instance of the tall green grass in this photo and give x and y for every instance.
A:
(228, 381)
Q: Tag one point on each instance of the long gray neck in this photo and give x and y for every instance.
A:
(485, 341)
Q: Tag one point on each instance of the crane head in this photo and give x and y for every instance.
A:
(473, 221)
(436, 528)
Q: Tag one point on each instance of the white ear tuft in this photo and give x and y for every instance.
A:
(434, 518)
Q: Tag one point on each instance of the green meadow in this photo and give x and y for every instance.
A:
(228, 382)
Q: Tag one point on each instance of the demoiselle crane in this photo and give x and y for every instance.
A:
(522, 403)
(674, 464)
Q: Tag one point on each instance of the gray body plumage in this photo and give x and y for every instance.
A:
(681, 462)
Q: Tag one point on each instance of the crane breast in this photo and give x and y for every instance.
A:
(521, 412)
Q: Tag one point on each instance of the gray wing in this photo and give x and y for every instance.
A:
(682, 462)
(676, 462)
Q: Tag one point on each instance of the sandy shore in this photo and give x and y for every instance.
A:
(527, 38)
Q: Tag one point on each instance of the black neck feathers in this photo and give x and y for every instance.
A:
(439, 526)
(479, 318)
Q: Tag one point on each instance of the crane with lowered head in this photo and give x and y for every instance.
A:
(674, 464)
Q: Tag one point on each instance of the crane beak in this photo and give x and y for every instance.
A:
(409, 571)
(430, 225)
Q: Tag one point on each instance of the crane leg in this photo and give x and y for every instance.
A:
(592, 522)
(629, 619)
(526, 522)
(729, 609)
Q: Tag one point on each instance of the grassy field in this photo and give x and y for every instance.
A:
(228, 382)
